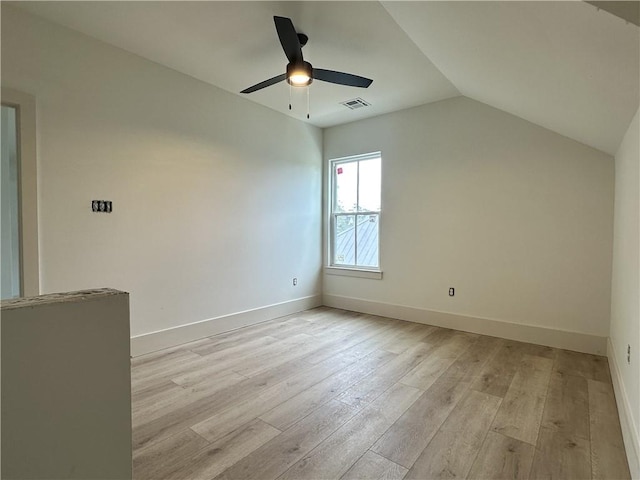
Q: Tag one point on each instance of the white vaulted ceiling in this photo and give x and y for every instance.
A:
(566, 66)
(563, 65)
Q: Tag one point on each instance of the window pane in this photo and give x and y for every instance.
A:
(344, 249)
(370, 185)
(346, 183)
(367, 234)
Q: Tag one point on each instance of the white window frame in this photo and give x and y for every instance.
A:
(340, 269)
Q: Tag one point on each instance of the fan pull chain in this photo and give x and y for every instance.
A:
(289, 96)
(308, 102)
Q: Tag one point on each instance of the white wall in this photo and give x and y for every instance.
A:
(216, 199)
(625, 291)
(517, 218)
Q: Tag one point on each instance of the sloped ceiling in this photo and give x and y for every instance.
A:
(563, 65)
(627, 10)
(566, 66)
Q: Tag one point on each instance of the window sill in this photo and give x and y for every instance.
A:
(354, 272)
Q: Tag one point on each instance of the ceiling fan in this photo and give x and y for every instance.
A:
(300, 73)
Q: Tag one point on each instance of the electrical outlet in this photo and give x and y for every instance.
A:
(101, 206)
(629, 354)
(295, 281)
(452, 291)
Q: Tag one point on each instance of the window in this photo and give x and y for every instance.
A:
(355, 212)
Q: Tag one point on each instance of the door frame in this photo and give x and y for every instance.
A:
(25, 106)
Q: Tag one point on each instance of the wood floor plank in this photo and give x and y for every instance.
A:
(206, 373)
(411, 433)
(502, 458)
(227, 420)
(374, 467)
(567, 405)
(190, 361)
(497, 374)
(334, 329)
(189, 414)
(302, 350)
(328, 323)
(454, 448)
(592, 367)
(303, 326)
(344, 331)
(345, 414)
(438, 336)
(247, 333)
(468, 366)
(608, 456)
(163, 376)
(285, 350)
(324, 314)
(165, 355)
(345, 321)
(522, 348)
(397, 331)
(308, 327)
(436, 362)
(276, 456)
(217, 457)
(158, 459)
(235, 360)
(345, 343)
(234, 346)
(290, 411)
(404, 336)
(560, 455)
(356, 349)
(362, 349)
(335, 455)
(157, 389)
(172, 362)
(521, 412)
(372, 386)
(158, 407)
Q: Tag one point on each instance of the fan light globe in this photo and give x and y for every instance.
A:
(300, 79)
(299, 74)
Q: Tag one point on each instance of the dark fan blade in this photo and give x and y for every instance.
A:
(288, 39)
(341, 78)
(266, 83)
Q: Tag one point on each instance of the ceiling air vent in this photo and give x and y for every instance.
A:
(355, 103)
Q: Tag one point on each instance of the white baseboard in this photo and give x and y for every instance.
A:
(151, 342)
(579, 342)
(627, 423)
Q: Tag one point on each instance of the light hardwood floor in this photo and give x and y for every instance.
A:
(329, 394)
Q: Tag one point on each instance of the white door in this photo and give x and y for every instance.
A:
(9, 206)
